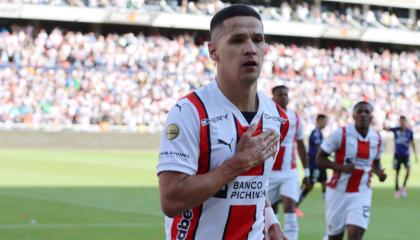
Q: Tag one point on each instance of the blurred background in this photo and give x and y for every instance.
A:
(85, 86)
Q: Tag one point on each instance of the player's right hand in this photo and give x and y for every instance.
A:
(276, 233)
(382, 175)
(347, 168)
(251, 150)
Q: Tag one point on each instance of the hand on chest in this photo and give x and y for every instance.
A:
(226, 134)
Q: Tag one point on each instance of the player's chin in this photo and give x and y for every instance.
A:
(364, 123)
(250, 77)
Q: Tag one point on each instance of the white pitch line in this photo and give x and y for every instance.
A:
(103, 207)
(76, 225)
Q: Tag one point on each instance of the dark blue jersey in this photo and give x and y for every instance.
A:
(402, 139)
(315, 140)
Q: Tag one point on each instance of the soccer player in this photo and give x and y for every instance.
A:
(348, 197)
(284, 180)
(403, 136)
(315, 174)
(220, 142)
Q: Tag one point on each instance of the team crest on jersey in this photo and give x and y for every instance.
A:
(172, 131)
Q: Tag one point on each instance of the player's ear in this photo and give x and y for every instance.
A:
(212, 51)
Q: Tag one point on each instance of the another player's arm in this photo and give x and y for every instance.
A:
(302, 154)
(180, 192)
(378, 170)
(330, 145)
(323, 161)
(304, 160)
(414, 150)
(275, 231)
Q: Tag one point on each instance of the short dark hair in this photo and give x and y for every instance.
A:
(403, 117)
(321, 116)
(278, 87)
(361, 103)
(233, 10)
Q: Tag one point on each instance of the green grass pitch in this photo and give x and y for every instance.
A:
(100, 195)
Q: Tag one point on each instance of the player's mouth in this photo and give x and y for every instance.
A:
(364, 119)
(250, 65)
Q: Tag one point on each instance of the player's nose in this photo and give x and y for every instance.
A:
(249, 47)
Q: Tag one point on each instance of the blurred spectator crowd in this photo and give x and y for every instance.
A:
(66, 78)
(347, 16)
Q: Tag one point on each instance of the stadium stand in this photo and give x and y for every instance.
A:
(65, 79)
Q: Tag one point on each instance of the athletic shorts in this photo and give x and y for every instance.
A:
(398, 160)
(284, 186)
(317, 175)
(343, 209)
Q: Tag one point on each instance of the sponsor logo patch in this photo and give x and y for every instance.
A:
(275, 118)
(207, 121)
(184, 225)
(172, 131)
(170, 154)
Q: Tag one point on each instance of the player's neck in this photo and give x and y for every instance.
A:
(243, 97)
(362, 131)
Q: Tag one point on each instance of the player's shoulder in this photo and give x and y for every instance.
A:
(316, 132)
(272, 104)
(186, 108)
(394, 129)
(264, 99)
(375, 133)
(343, 130)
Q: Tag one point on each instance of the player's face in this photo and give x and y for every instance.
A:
(238, 49)
(323, 123)
(403, 123)
(363, 116)
(281, 96)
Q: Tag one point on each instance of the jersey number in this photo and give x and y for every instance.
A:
(366, 211)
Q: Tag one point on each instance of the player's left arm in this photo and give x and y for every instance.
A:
(413, 145)
(304, 159)
(302, 153)
(301, 148)
(275, 231)
(378, 170)
(377, 167)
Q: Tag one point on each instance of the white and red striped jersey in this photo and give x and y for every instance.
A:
(201, 132)
(286, 157)
(351, 147)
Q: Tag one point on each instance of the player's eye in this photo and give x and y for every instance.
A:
(236, 40)
(258, 39)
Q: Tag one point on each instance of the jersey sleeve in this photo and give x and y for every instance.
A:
(299, 130)
(393, 130)
(332, 143)
(179, 148)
